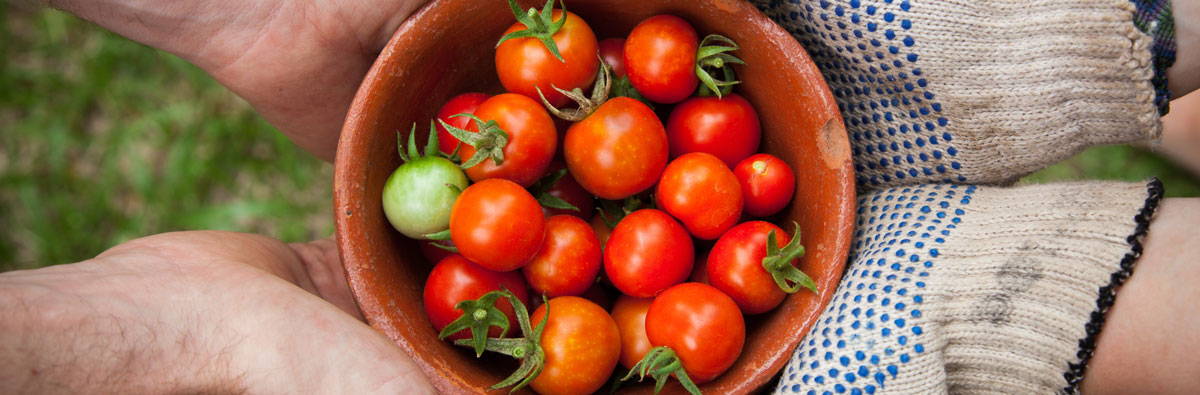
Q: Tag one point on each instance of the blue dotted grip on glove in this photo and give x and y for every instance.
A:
(897, 242)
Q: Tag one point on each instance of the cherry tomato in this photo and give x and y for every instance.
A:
(612, 50)
(725, 127)
(630, 314)
(569, 190)
(735, 266)
(465, 103)
(434, 254)
(660, 57)
(456, 279)
(698, 189)
(497, 224)
(568, 261)
(524, 64)
(582, 345)
(617, 151)
(532, 139)
(701, 324)
(768, 184)
(647, 252)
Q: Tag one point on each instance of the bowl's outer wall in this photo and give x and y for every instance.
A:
(448, 47)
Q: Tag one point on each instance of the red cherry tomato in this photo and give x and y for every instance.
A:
(497, 224)
(524, 64)
(568, 261)
(647, 252)
(612, 50)
(582, 345)
(456, 279)
(532, 139)
(702, 326)
(434, 254)
(660, 57)
(735, 266)
(465, 103)
(630, 314)
(617, 151)
(569, 190)
(768, 184)
(698, 189)
(726, 127)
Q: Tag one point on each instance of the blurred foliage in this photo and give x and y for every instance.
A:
(1120, 162)
(103, 140)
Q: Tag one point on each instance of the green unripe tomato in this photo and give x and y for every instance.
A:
(418, 196)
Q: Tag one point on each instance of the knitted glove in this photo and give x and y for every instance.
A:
(968, 289)
(983, 91)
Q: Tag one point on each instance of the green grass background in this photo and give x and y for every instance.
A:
(103, 140)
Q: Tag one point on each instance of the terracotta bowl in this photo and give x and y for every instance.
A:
(447, 48)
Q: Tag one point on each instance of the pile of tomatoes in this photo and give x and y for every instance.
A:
(508, 212)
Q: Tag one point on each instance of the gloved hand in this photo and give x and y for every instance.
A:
(977, 91)
(963, 288)
(972, 289)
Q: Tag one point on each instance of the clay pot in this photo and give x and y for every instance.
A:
(447, 48)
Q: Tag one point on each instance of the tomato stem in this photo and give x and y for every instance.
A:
(483, 315)
(540, 26)
(489, 142)
(541, 190)
(612, 211)
(411, 154)
(527, 349)
(660, 363)
(600, 92)
(778, 263)
(714, 54)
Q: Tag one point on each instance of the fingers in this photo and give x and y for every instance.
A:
(194, 248)
(270, 336)
(1153, 331)
(324, 267)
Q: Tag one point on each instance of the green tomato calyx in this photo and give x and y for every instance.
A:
(431, 145)
(714, 55)
(538, 25)
(484, 315)
(541, 190)
(527, 349)
(778, 263)
(660, 363)
(489, 142)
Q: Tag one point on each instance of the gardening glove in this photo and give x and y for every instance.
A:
(971, 289)
(958, 288)
(984, 91)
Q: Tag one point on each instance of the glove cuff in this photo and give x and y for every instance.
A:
(1040, 81)
(1154, 18)
(967, 289)
(1032, 278)
(1108, 292)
